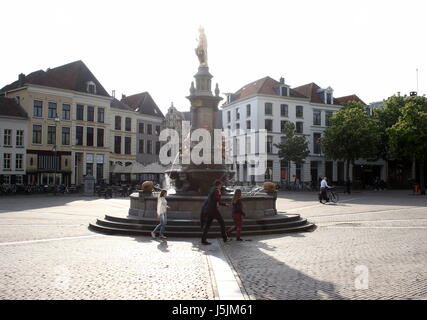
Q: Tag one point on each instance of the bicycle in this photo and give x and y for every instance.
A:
(331, 195)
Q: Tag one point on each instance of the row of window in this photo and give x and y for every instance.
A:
(52, 112)
(7, 138)
(149, 127)
(284, 112)
(148, 147)
(118, 145)
(7, 161)
(66, 134)
(118, 123)
(268, 123)
(7, 179)
(269, 144)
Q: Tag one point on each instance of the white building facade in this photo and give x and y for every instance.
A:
(268, 104)
(13, 142)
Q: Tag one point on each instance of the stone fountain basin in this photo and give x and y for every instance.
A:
(188, 207)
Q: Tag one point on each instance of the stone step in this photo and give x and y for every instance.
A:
(196, 234)
(150, 224)
(281, 218)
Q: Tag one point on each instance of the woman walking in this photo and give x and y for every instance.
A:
(162, 206)
(237, 214)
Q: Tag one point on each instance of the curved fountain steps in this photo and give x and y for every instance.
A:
(190, 228)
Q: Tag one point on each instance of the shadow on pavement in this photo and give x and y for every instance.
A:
(266, 278)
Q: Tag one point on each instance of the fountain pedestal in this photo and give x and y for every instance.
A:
(188, 207)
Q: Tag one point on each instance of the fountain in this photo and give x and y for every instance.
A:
(193, 181)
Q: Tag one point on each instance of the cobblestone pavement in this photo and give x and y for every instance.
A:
(378, 240)
(369, 246)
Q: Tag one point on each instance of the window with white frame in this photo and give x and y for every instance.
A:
(19, 138)
(19, 161)
(299, 111)
(269, 144)
(7, 139)
(6, 179)
(299, 127)
(19, 179)
(284, 91)
(317, 114)
(6, 161)
(91, 87)
(284, 110)
(268, 108)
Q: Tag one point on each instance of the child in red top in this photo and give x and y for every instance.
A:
(237, 214)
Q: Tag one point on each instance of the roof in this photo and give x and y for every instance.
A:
(72, 76)
(270, 86)
(264, 85)
(10, 108)
(345, 99)
(116, 104)
(143, 103)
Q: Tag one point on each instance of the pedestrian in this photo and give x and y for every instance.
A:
(210, 212)
(237, 214)
(377, 184)
(323, 187)
(162, 206)
(348, 185)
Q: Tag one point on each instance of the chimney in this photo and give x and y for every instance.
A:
(21, 79)
(123, 96)
(114, 93)
(282, 80)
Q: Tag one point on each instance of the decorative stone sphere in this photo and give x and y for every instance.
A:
(269, 187)
(147, 186)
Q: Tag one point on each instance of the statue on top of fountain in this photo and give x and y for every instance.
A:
(202, 48)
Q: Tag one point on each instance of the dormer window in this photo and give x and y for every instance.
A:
(91, 87)
(328, 97)
(284, 91)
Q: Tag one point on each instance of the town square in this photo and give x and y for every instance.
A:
(168, 159)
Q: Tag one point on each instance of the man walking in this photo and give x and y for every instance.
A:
(210, 212)
(323, 187)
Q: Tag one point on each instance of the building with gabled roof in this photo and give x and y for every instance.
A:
(68, 126)
(268, 104)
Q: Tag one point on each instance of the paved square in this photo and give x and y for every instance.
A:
(371, 245)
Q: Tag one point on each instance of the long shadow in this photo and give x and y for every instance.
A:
(267, 278)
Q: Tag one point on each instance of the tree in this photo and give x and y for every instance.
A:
(408, 136)
(353, 134)
(293, 148)
(386, 117)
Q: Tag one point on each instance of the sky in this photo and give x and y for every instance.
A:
(369, 48)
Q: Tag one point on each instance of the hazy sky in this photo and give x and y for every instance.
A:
(370, 48)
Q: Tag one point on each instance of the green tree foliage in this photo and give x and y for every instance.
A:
(294, 147)
(408, 136)
(353, 134)
(386, 117)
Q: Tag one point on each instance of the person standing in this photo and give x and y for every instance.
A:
(210, 212)
(323, 187)
(237, 214)
(348, 185)
(162, 206)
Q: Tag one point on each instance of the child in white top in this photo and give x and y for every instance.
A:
(162, 206)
